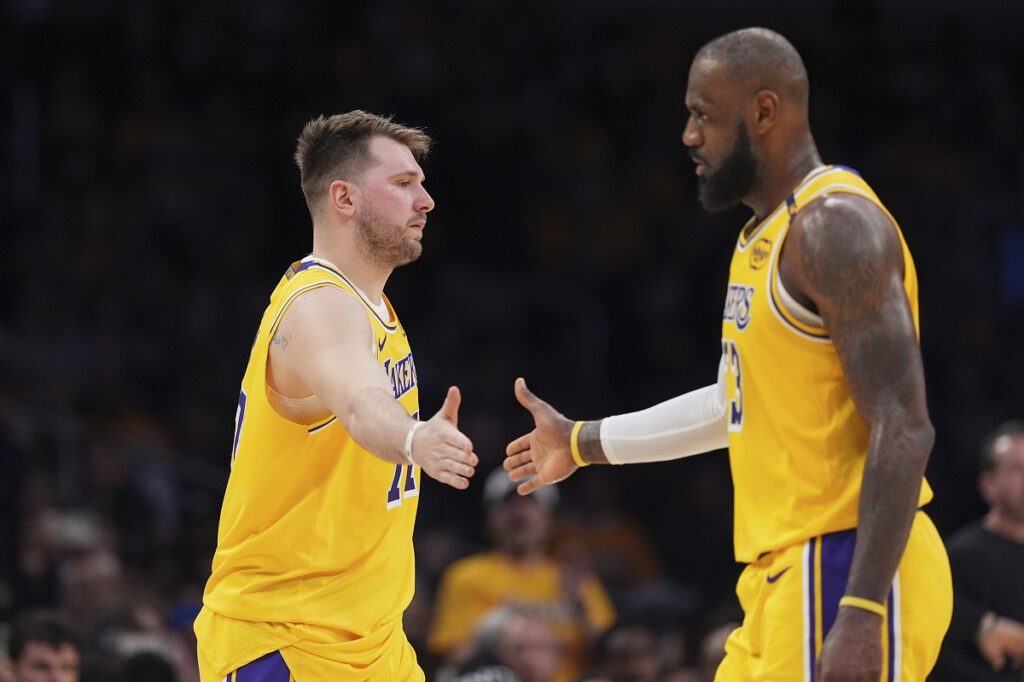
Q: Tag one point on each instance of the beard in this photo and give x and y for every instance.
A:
(385, 244)
(734, 179)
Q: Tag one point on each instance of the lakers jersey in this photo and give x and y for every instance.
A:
(797, 445)
(315, 538)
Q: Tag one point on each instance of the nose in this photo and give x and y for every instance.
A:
(424, 202)
(692, 136)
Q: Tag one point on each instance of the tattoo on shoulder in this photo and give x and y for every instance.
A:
(281, 340)
(847, 256)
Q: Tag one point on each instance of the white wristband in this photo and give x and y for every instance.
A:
(408, 441)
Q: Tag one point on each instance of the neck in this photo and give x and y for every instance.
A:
(330, 245)
(779, 179)
(525, 557)
(1000, 524)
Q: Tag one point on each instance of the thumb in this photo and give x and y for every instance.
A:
(450, 409)
(526, 397)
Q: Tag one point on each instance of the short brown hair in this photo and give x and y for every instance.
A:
(44, 627)
(339, 147)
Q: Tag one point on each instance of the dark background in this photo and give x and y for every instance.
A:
(149, 205)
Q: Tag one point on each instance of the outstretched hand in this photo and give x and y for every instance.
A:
(441, 450)
(544, 452)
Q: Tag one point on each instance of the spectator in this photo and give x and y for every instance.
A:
(42, 648)
(986, 638)
(512, 644)
(519, 571)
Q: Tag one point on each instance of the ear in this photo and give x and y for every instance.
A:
(764, 112)
(343, 197)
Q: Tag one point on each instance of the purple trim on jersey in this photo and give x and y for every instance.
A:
(846, 168)
(269, 668)
(812, 629)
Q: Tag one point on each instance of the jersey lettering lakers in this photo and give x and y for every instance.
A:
(314, 549)
(797, 445)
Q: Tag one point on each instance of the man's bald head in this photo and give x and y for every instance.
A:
(759, 59)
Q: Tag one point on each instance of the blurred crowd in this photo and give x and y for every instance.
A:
(149, 205)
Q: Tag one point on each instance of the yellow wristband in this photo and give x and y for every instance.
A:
(574, 444)
(864, 604)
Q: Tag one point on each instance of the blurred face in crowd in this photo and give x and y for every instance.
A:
(519, 525)
(717, 137)
(633, 656)
(1003, 486)
(393, 206)
(41, 662)
(530, 649)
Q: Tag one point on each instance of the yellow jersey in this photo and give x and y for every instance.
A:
(315, 538)
(797, 444)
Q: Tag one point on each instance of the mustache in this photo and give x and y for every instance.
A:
(418, 218)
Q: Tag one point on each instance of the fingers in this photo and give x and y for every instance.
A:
(518, 445)
(517, 460)
(529, 486)
(448, 478)
(526, 397)
(522, 470)
(453, 471)
(450, 408)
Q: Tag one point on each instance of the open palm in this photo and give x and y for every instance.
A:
(542, 456)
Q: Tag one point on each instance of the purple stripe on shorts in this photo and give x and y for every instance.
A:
(892, 639)
(836, 557)
(269, 668)
(809, 572)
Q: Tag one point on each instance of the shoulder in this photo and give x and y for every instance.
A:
(847, 227)
(325, 307)
(843, 246)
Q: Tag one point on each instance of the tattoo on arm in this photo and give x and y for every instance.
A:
(281, 340)
(590, 443)
(851, 265)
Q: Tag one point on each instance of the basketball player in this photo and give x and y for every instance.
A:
(314, 560)
(820, 395)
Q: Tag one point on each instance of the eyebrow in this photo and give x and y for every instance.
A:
(406, 173)
(699, 101)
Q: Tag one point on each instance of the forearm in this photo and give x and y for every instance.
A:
(379, 423)
(686, 425)
(891, 485)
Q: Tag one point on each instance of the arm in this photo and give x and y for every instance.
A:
(330, 354)
(685, 425)
(844, 256)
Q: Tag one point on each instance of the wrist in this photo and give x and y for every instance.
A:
(408, 441)
(862, 604)
(574, 444)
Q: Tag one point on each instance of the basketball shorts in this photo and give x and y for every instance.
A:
(273, 668)
(790, 599)
(309, 654)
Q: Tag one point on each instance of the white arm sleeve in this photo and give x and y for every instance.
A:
(686, 425)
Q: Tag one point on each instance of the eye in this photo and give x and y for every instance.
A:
(404, 183)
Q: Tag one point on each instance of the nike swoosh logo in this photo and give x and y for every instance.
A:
(380, 344)
(773, 578)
